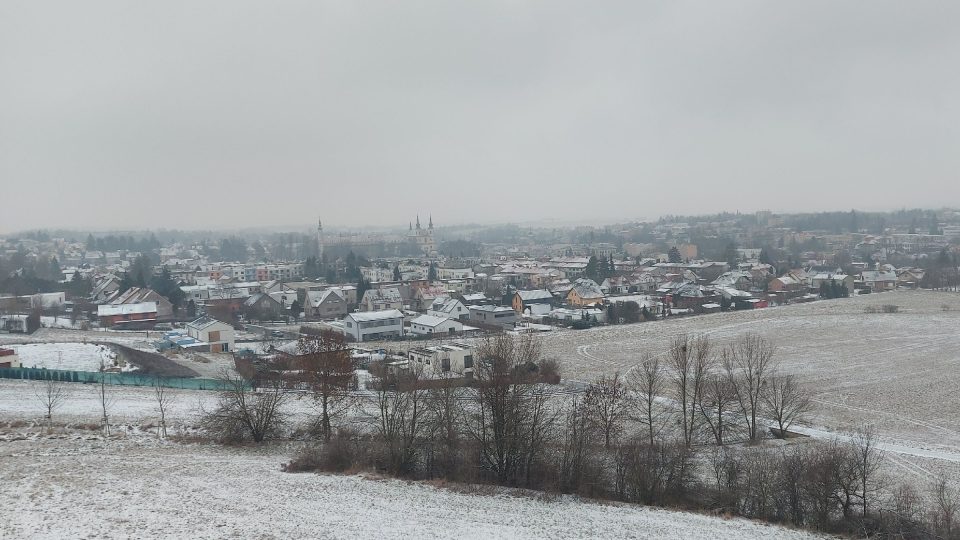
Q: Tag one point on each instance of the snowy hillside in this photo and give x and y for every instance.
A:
(118, 489)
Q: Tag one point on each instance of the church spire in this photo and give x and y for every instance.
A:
(418, 222)
(431, 221)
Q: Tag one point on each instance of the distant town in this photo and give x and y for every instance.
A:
(429, 282)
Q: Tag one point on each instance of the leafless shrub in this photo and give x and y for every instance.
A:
(51, 394)
(164, 399)
(242, 414)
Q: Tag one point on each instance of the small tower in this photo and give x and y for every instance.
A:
(431, 222)
(320, 240)
(418, 222)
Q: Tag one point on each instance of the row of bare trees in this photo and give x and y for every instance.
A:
(53, 394)
(723, 394)
(667, 433)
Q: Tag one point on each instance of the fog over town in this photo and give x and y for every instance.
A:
(479, 270)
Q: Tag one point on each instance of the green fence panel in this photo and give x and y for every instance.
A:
(117, 379)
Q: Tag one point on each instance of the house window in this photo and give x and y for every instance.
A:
(468, 361)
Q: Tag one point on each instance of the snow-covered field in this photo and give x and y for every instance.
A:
(142, 489)
(68, 356)
(899, 372)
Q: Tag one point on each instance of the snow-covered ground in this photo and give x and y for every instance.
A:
(899, 372)
(68, 356)
(124, 489)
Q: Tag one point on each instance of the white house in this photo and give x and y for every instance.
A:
(368, 325)
(218, 335)
(427, 325)
(450, 357)
(450, 308)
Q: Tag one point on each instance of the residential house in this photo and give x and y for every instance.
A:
(428, 325)
(423, 297)
(452, 357)
(9, 358)
(106, 287)
(878, 281)
(381, 299)
(494, 315)
(373, 325)
(448, 307)
(585, 292)
(113, 314)
(262, 306)
(325, 304)
(829, 277)
(219, 336)
(524, 300)
(137, 295)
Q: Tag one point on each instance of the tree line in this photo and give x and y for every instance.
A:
(682, 429)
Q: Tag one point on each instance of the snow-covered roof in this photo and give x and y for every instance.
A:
(528, 296)
(429, 320)
(110, 310)
(366, 316)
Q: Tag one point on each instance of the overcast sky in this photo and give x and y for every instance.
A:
(196, 114)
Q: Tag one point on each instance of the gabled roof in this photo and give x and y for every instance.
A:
(539, 294)
(587, 288)
(388, 294)
(445, 304)
(203, 322)
(110, 310)
(430, 320)
(315, 298)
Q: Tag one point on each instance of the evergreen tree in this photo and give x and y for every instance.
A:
(362, 287)
(432, 272)
(674, 256)
(730, 254)
(397, 276)
(592, 270)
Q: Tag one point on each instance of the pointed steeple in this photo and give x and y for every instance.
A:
(411, 225)
(418, 222)
(431, 221)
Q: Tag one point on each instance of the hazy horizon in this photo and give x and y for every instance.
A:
(233, 115)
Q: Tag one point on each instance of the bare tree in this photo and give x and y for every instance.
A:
(509, 419)
(690, 362)
(400, 421)
(716, 404)
(52, 394)
(164, 399)
(241, 412)
(786, 401)
(605, 405)
(105, 398)
(328, 370)
(446, 416)
(946, 500)
(748, 363)
(867, 458)
(649, 381)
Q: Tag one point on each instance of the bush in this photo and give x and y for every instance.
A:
(341, 453)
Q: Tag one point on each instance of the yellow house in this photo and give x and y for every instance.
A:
(585, 292)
